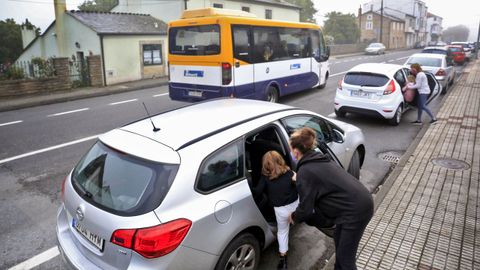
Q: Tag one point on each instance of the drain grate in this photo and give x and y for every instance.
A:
(390, 156)
(451, 163)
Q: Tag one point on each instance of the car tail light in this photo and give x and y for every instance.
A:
(62, 194)
(441, 72)
(340, 84)
(155, 241)
(226, 73)
(390, 88)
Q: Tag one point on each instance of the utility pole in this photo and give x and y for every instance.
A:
(477, 46)
(381, 22)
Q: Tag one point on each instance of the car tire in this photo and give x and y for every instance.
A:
(397, 118)
(272, 94)
(242, 253)
(354, 166)
(452, 80)
(445, 89)
(340, 114)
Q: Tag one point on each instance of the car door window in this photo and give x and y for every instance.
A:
(323, 130)
(400, 78)
(221, 168)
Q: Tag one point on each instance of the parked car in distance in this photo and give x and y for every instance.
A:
(178, 196)
(436, 64)
(445, 50)
(419, 45)
(374, 89)
(466, 49)
(458, 54)
(375, 48)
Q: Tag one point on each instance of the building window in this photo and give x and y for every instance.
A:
(246, 9)
(268, 14)
(152, 54)
(369, 26)
(369, 17)
(216, 5)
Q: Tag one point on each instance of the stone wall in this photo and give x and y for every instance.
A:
(60, 82)
(347, 48)
(95, 70)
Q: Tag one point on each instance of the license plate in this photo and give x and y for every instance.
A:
(195, 93)
(91, 237)
(357, 93)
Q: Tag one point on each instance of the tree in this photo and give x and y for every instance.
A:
(10, 41)
(342, 27)
(98, 5)
(456, 33)
(307, 13)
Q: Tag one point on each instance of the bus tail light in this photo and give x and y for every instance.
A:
(226, 73)
(390, 88)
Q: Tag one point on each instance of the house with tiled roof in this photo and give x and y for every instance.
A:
(131, 46)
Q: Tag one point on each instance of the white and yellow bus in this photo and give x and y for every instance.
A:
(227, 53)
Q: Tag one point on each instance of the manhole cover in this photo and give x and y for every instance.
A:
(390, 156)
(451, 163)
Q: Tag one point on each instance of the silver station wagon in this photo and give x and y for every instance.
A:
(178, 196)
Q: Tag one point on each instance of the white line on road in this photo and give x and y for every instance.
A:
(74, 111)
(160, 95)
(11, 123)
(37, 260)
(340, 73)
(391, 60)
(47, 149)
(121, 102)
(401, 58)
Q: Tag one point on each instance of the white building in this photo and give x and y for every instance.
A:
(414, 8)
(172, 10)
(434, 28)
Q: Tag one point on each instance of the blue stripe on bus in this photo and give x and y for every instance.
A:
(287, 85)
(193, 73)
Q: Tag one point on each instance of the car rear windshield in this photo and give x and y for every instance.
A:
(456, 49)
(365, 79)
(435, 51)
(195, 40)
(424, 61)
(120, 183)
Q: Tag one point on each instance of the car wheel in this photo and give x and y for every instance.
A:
(397, 118)
(354, 167)
(445, 89)
(452, 80)
(340, 114)
(242, 253)
(272, 94)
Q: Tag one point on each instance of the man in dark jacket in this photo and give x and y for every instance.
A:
(327, 191)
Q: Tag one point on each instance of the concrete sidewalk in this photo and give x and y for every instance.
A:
(78, 93)
(429, 214)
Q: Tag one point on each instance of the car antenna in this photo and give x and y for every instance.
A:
(155, 129)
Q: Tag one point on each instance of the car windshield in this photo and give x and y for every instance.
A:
(365, 79)
(374, 45)
(195, 40)
(120, 183)
(425, 61)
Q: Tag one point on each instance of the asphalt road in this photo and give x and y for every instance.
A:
(30, 179)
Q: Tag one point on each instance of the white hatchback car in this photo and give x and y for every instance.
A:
(374, 89)
(178, 196)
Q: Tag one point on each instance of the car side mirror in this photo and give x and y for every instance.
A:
(338, 136)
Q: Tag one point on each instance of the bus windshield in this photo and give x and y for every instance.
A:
(195, 40)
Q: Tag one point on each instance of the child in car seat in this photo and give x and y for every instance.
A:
(408, 90)
(278, 180)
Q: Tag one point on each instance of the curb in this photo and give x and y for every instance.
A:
(388, 183)
(71, 96)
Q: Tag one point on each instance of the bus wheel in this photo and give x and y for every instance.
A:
(272, 94)
(321, 86)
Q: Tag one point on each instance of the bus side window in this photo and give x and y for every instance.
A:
(267, 45)
(241, 43)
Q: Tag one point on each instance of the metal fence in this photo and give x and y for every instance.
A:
(35, 69)
(79, 75)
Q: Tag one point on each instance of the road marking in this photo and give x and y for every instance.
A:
(160, 95)
(340, 73)
(401, 58)
(391, 60)
(47, 149)
(121, 102)
(74, 111)
(37, 260)
(11, 123)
